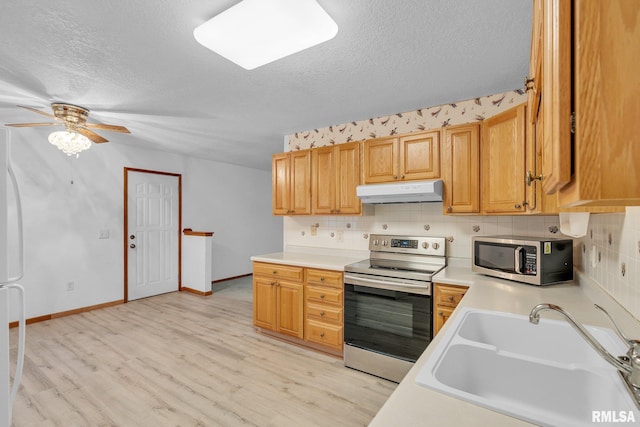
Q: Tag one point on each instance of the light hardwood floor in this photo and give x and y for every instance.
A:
(184, 360)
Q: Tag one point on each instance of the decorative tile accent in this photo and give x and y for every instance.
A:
(456, 113)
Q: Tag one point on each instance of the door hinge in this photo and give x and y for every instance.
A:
(573, 122)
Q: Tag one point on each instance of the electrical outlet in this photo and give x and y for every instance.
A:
(314, 230)
(340, 236)
(71, 286)
(104, 234)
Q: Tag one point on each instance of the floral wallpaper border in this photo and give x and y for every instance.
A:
(457, 113)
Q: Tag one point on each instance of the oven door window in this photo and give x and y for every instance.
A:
(394, 323)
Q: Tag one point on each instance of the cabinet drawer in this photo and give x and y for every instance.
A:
(323, 333)
(323, 295)
(324, 278)
(324, 314)
(278, 271)
(449, 296)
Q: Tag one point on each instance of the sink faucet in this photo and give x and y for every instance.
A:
(628, 366)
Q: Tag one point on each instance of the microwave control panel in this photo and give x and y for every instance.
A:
(530, 261)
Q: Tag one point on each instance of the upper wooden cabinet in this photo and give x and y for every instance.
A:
(461, 169)
(409, 157)
(590, 61)
(503, 162)
(606, 94)
(291, 183)
(335, 176)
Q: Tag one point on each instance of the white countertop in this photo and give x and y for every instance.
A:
(310, 259)
(412, 404)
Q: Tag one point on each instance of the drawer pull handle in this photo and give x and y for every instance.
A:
(441, 314)
(275, 272)
(273, 283)
(322, 279)
(451, 298)
(322, 313)
(322, 296)
(322, 335)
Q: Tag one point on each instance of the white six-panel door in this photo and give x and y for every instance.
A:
(153, 231)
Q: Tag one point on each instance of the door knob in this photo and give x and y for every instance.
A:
(132, 246)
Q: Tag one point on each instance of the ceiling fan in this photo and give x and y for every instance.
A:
(74, 118)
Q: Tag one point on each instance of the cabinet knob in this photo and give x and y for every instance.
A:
(401, 176)
(322, 313)
(275, 272)
(322, 279)
(322, 296)
(337, 210)
(449, 209)
(332, 211)
(322, 335)
(395, 176)
(450, 298)
(441, 314)
(517, 206)
(273, 283)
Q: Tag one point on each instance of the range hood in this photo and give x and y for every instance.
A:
(401, 192)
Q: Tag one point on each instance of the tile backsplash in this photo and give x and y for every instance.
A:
(426, 219)
(611, 247)
(422, 219)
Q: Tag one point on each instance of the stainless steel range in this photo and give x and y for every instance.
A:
(388, 320)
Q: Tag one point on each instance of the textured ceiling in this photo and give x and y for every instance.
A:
(137, 64)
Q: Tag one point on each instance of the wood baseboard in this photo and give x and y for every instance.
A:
(195, 291)
(231, 278)
(68, 313)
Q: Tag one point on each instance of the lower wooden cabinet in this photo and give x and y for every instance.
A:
(303, 303)
(278, 305)
(445, 299)
(323, 306)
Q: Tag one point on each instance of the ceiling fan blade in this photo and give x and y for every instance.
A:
(43, 113)
(112, 128)
(91, 135)
(25, 125)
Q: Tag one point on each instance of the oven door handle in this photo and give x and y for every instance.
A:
(381, 284)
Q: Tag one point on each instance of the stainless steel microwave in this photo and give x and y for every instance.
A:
(532, 260)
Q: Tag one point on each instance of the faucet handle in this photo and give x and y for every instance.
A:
(634, 363)
(631, 343)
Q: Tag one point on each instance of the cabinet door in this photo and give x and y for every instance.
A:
(300, 187)
(381, 160)
(606, 93)
(440, 316)
(323, 181)
(290, 300)
(419, 156)
(461, 158)
(280, 184)
(503, 162)
(556, 95)
(264, 303)
(347, 160)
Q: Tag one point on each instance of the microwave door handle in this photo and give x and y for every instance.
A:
(518, 257)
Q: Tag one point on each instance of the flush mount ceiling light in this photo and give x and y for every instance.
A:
(256, 32)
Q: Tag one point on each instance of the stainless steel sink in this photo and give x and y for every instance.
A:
(544, 374)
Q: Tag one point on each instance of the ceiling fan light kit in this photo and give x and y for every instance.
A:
(256, 32)
(70, 143)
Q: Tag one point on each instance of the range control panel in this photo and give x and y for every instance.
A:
(407, 244)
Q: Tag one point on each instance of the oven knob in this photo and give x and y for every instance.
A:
(384, 243)
(435, 245)
(425, 245)
(375, 242)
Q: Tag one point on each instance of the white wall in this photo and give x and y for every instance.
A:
(67, 201)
